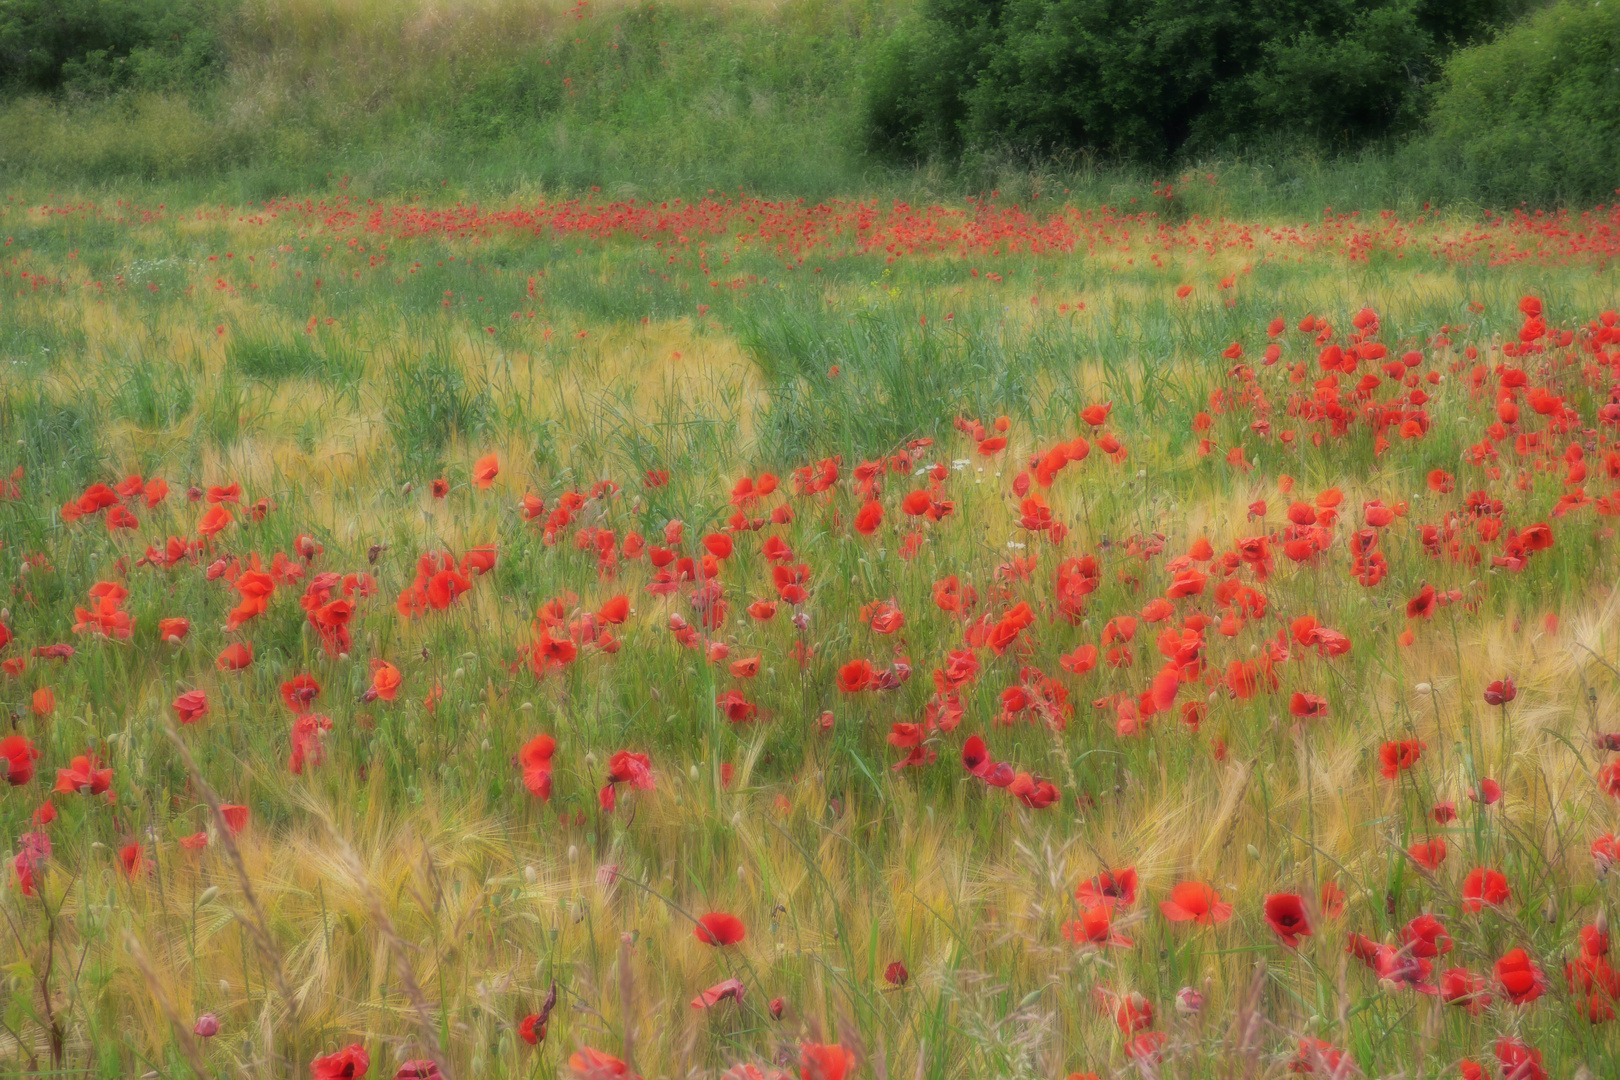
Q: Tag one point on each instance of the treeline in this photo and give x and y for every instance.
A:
(98, 47)
(1496, 100)
(1530, 112)
(1149, 80)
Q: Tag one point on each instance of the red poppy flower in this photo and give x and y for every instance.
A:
(1423, 604)
(485, 469)
(132, 860)
(615, 611)
(589, 1063)
(419, 1069)
(173, 629)
(1307, 706)
(1332, 900)
(1606, 852)
(1146, 1048)
(535, 761)
(1459, 986)
(1501, 692)
(729, 989)
(350, 1063)
(299, 692)
(1519, 1061)
(829, 1062)
(1426, 936)
(1314, 1052)
(1483, 886)
(532, 1030)
(214, 522)
(627, 768)
(855, 676)
(1033, 793)
(719, 928)
(236, 817)
(1429, 853)
(385, 680)
(869, 518)
(1285, 912)
(82, 776)
(1194, 901)
(1396, 757)
(235, 657)
(896, 974)
(307, 745)
(1095, 926)
(1109, 887)
(18, 755)
(1519, 977)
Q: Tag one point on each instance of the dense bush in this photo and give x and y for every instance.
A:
(1146, 78)
(98, 46)
(1535, 114)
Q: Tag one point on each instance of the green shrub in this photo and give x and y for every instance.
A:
(99, 46)
(1150, 78)
(1535, 114)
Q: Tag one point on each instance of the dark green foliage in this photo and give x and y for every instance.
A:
(1146, 80)
(98, 46)
(1535, 114)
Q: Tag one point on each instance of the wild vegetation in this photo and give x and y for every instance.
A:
(417, 606)
(570, 542)
(1357, 105)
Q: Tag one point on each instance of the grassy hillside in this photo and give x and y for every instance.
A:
(508, 92)
(491, 98)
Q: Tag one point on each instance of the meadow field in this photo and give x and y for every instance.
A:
(588, 636)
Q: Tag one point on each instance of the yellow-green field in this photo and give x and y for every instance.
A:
(1197, 649)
